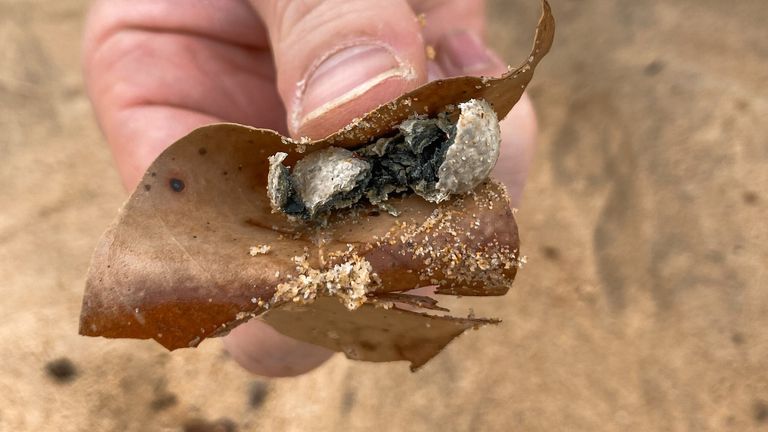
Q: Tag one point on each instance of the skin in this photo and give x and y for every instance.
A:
(157, 69)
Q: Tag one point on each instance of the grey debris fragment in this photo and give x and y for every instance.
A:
(417, 134)
(328, 178)
(278, 182)
(379, 148)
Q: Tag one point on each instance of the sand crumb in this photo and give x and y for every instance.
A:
(431, 53)
(446, 244)
(349, 280)
(422, 19)
(259, 250)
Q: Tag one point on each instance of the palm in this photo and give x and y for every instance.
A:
(171, 76)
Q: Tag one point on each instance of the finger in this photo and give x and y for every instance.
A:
(518, 133)
(338, 59)
(263, 351)
(441, 17)
(455, 28)
(157, 69)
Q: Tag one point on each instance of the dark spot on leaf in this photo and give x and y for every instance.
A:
(654, 68)
(224, 172)
(62, 370)
(163, 401)
(750, 197)
(194, 236)
(239, 167)
(760, 411)
(367, 345)
(177, 185)
(257, 393)
(153, 174)
(551, 253)
(202, 151)
(202, 425)
(147, 187)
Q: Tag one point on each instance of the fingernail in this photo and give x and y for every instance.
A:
(343, 76)
(463, 53)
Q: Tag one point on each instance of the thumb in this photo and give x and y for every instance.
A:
(338, 59)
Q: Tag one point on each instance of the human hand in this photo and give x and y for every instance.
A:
(157, 69)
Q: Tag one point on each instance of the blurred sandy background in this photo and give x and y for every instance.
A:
(644, 305)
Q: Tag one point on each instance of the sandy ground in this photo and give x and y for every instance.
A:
(644, 305)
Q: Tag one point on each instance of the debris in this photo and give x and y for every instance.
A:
(259, 250)
(432, 157)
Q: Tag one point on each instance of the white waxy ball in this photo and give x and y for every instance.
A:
(470, 159)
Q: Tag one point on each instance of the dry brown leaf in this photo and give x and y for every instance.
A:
(371, 333)
(176, 264)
